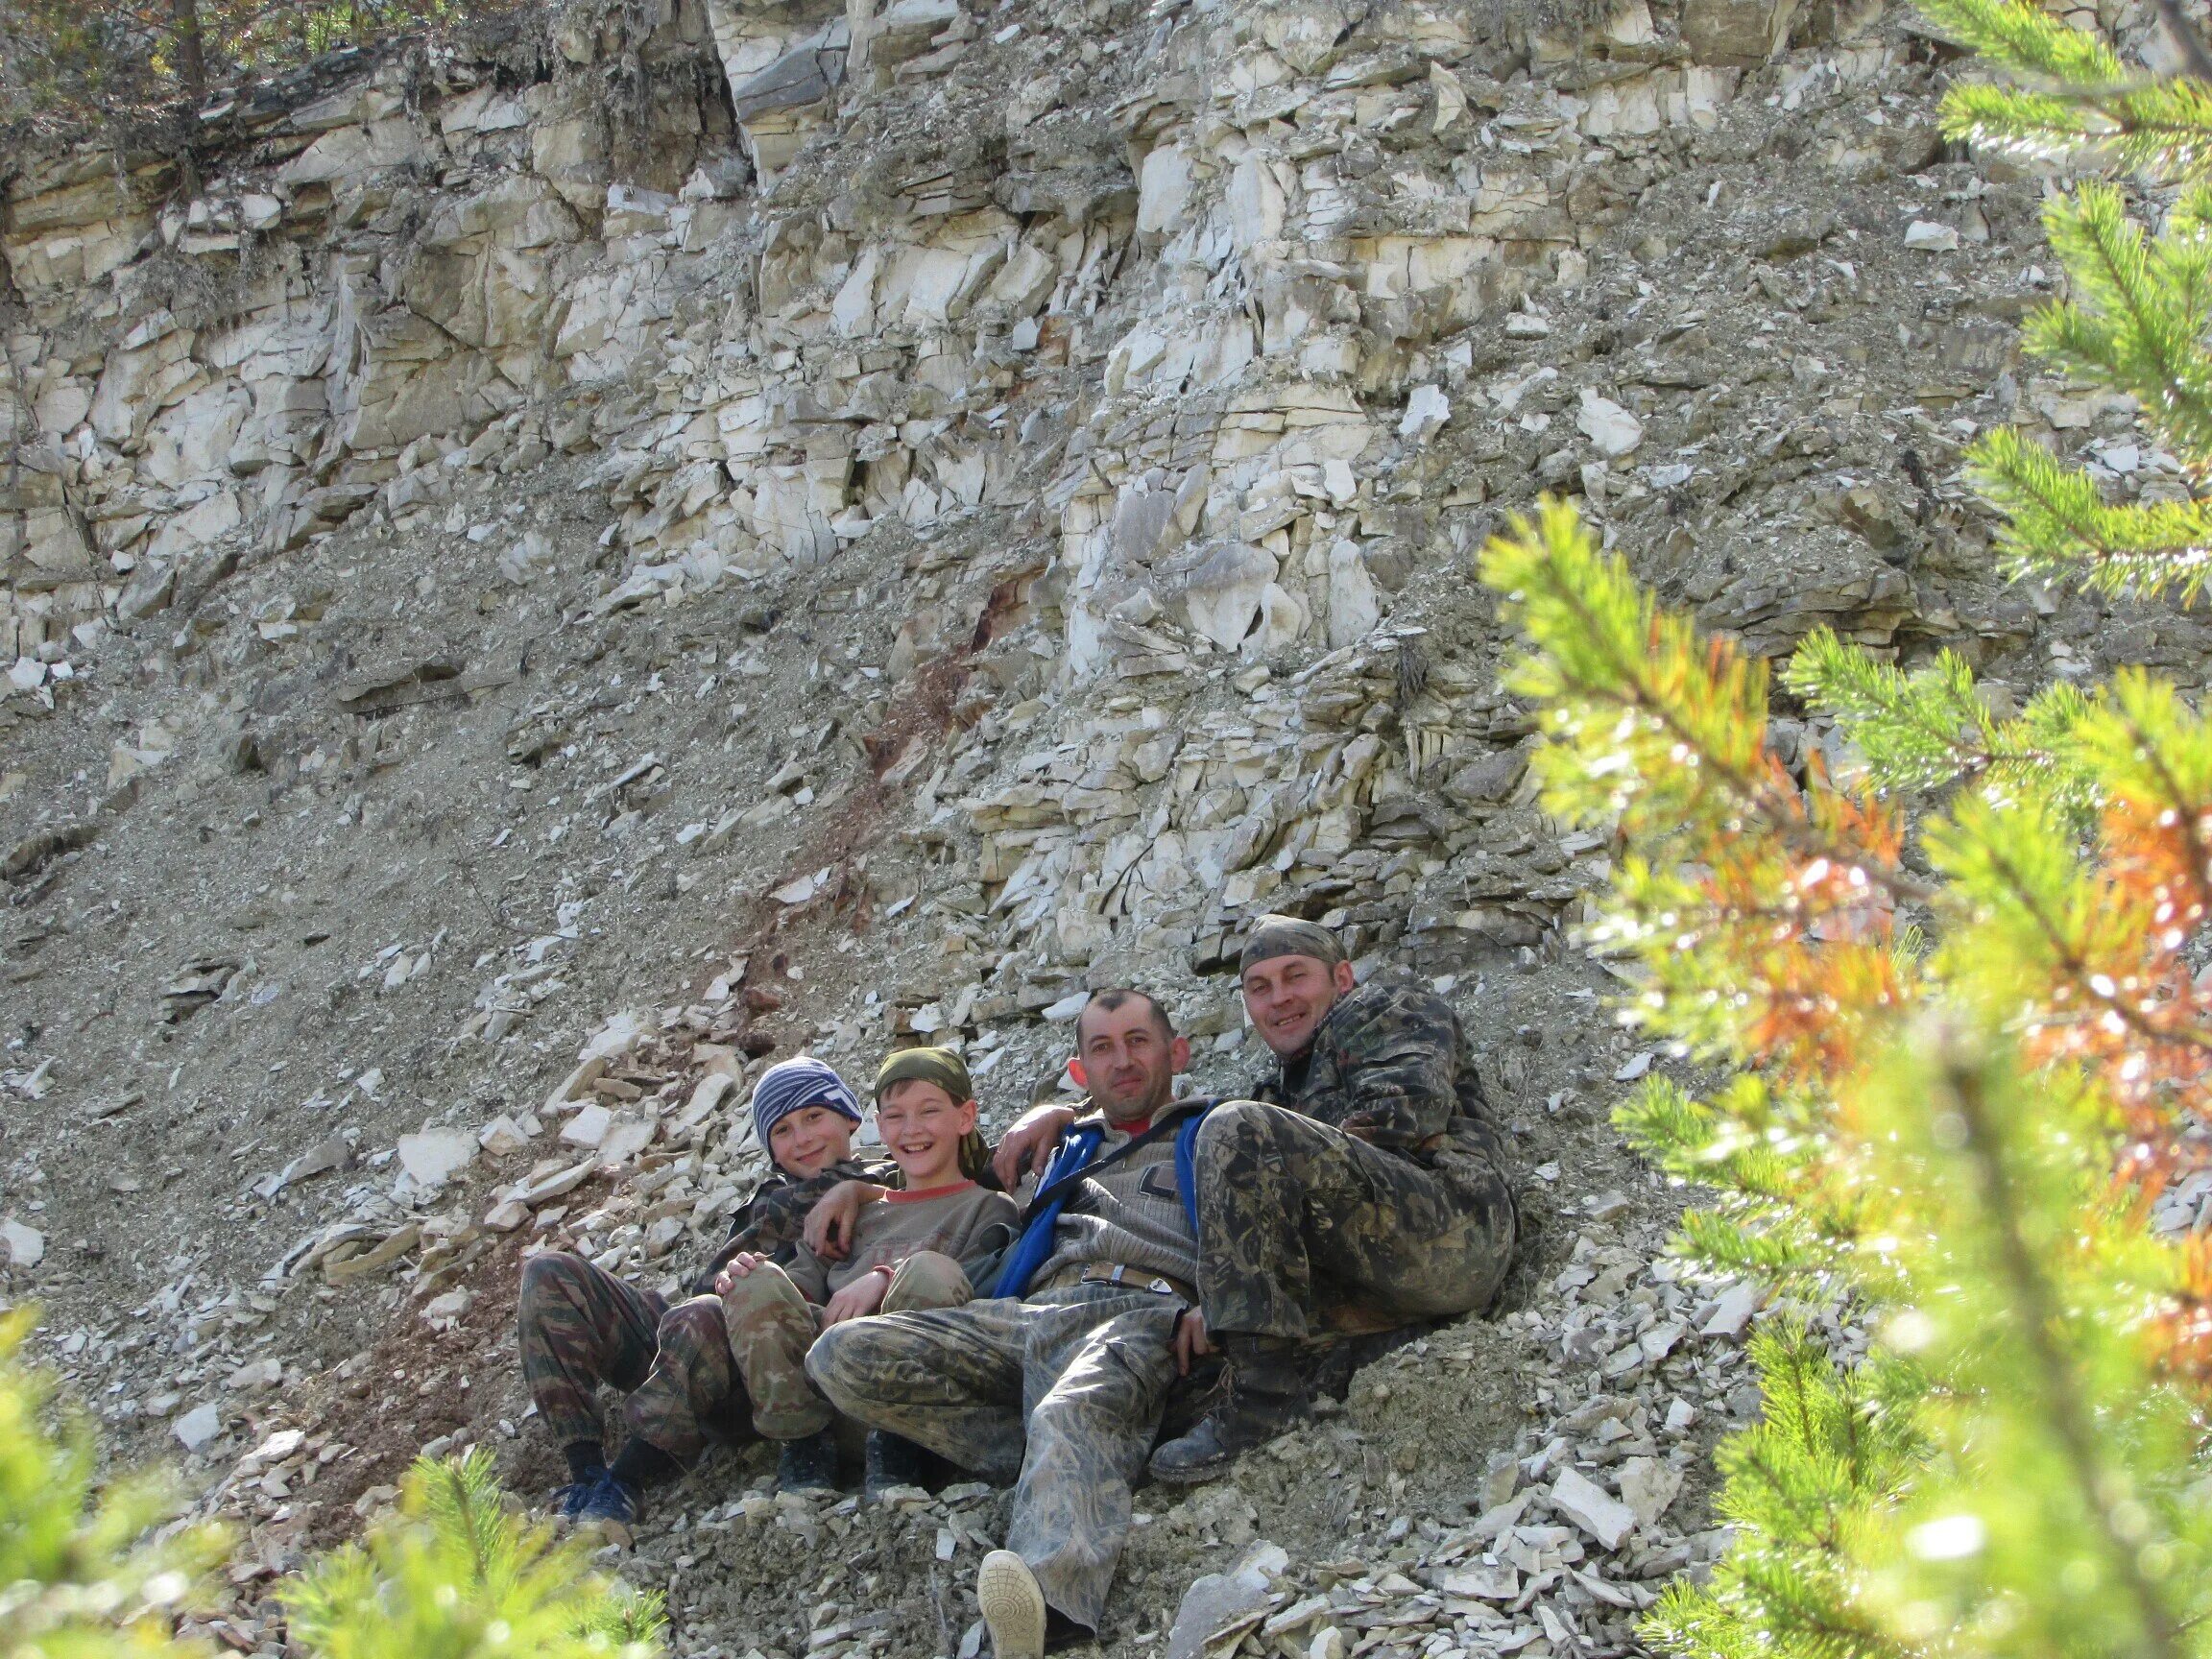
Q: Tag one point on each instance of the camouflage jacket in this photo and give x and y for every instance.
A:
(1390, 1064)
(772, 1220)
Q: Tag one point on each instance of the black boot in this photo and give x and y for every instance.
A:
(809, 1465)
(893, 1461)
(1264, 1395)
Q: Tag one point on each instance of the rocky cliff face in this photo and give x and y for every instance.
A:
(687, 534)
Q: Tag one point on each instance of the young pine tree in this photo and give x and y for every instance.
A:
(453, 1575)
(456, 1575)
(78, 1574)
(1960, 1080)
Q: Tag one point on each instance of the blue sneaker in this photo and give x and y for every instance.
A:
(610, 1509)
(569, 1501)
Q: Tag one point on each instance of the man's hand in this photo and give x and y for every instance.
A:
(741, 1265)
(836, 1214)
(1191, 1341)
(1029, 1145)
(858, 1300)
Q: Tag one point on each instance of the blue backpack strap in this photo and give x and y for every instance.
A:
(1186, 1165)
(1030, 1251)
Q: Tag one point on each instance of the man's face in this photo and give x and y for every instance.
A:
(809, 1140)
(1129, 1061)
(1288, 996)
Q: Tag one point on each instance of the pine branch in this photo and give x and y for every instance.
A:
(1666, 734)
(81, 1575)
(2038, 1317)
(2025, 41)
(2152, 745)
(1995, 858)
(452, 1566)
(1931, 728)
(2058, 524)
(2131, 332)
(2158, 127)
(2071, 97)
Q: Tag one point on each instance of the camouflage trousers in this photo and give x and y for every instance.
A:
(1295, 1215)
(1061, 1393)
(729, 1368)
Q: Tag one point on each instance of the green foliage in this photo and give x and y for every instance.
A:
(2142, 304)
(79, 1580)
(1959, 1144)
(456, 1573)
(2068, 97)
(1957, 1141)
(1933, 727)
(1806, 1484)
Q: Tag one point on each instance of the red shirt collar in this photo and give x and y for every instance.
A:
(900, 1196)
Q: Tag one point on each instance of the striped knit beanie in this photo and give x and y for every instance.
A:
(793, 1085)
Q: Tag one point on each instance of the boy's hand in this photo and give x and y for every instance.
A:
(1191, 1341)
(741, 1267)
(835, 1216)
(1030, 1143)
(858, 1300)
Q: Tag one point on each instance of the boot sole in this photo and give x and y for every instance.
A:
(1191, 1474)
(1013, 1606)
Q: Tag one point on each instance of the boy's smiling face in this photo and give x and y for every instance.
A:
(921, 1127)
(806, 1142)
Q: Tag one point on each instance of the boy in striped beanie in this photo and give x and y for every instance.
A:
(582, 1327)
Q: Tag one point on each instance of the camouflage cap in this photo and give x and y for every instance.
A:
(1278, 935)
(939, 1066)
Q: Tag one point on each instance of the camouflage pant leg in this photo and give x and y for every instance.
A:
(770, 1328)
(1288, 1206)
(579, 1327)
(926, 1278)
(1087, 1370)
(949, 1379)
(1097, 1373)
(693, 1392)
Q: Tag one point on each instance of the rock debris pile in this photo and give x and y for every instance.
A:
(547, 570)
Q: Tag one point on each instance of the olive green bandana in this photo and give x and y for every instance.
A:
(1277, 935)
(939, 1066)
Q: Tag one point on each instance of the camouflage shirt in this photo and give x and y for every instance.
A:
(772, 1222)
(1390, 1064)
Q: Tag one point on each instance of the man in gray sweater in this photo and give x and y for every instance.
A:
(1089, 1321)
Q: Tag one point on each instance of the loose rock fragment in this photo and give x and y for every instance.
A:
(26, 1245)
(197, 1426)
(1221, 1602)
(435, 1156)
(1588, 1506)
(1738, 1302)
(1647, 1486)
(1611, 428)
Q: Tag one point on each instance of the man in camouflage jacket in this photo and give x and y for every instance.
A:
(1366, 1175)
